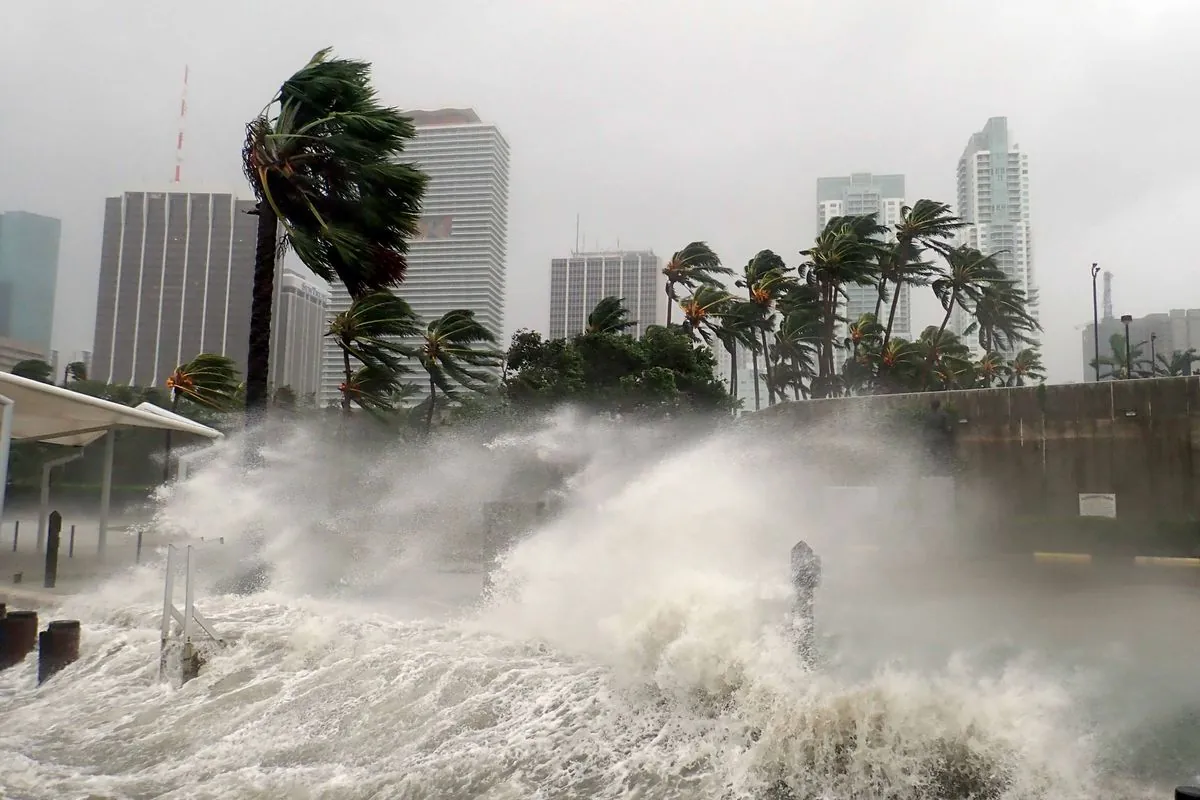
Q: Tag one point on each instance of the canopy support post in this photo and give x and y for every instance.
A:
(106, 490)
(6, 426)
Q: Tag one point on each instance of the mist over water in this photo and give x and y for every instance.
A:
(634, 645)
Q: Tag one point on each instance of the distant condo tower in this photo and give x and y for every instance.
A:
(175, 276)
(458, 260)
(993, 195)
(858, 194)
(581, 280)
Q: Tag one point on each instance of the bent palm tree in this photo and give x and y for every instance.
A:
(610, 316)
(322, 158)
(764, 278)
(927, 223)
(208, 380)
(695, 265)
(1002, 316)
(450, 353)
(1026, 366)
(371, 331)
(1178, 363)
(703, 309)
(967, 272)
(737, 331)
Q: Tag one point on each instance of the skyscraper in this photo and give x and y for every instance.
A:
(28, 278)
(993, 196)
(581, 280)
(857, 194)
(297, 330)
(176, 270)
(458, 261)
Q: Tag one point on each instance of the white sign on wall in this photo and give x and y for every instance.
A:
(1097, 505)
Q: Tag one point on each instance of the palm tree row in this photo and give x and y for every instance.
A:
(379, 334)
(789, 317)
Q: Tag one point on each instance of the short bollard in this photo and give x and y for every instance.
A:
(16, 534)
(18, 577)
(18, 637)
(53, 540)
(58, 647)
(71, 544)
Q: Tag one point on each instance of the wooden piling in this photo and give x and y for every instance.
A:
(58, 647)
(16, 534)
(18, 637)
(52, 542)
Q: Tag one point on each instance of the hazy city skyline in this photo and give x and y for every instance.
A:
(1098, 116)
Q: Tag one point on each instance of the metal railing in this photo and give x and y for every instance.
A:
(189, 618)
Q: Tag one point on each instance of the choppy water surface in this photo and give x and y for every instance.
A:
(633, 648)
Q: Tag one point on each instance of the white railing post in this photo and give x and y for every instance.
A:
(187, 619)
(168, 607)
(189, 597)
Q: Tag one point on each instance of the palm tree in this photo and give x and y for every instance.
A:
(737, 330)
(796, 346)
(75, 371)
(323, 159)
(1178, 363)
(208, 380)
(945, 361)
(610, 316)
(450, 354)
(372, 332)
(1026, 366)
(703, 310)
(991, 370)
(35, 369)
(927, 223)
(1115, 359)
(764, 278)
(695, 265)
(960, 286)
(845, 253)
(1002, 317)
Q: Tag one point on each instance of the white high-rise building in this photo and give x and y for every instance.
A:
(993, 196)
(458, 261)
(855, 195)
(298, 325)
(580, 281)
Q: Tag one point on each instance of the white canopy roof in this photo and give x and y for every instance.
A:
(52, 414)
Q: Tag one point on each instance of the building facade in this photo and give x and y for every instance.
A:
(458, 260)
(855, 195)
(176, 272)
(29, 246)
(1151, 336)
(298, 324)
(13, 352)
(993, 197)
(579, 281)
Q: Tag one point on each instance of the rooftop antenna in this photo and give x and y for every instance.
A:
(576, 231)
(182, 119)
(1108, 295)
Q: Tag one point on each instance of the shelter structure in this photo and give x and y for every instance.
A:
(32, 411)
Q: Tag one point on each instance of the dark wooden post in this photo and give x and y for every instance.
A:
(18, 636)
(16, 534)
(58, 647)
(52, 542)
(71, 544)
(137, 558)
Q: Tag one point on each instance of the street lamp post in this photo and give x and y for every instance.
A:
(1153, 363)
(1125, 320)
(1096, 320)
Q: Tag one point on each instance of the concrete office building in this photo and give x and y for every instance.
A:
(29, 246)
(579, 281)
(458, 260)
(176, 272)
(298, 325)
(855, 195)
(1161, 334)
(993, 196)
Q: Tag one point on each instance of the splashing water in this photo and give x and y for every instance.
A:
(634, 646)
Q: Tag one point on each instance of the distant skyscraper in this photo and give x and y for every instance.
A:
(993, 195)
(855, 195)
(28, 277)
(581, 280)
(176, 270)
(458, 261)
(298, 324)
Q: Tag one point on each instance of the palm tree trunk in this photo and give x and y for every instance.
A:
(349, 375)
(767, 368)
(258, 357)
(757, 395)
(733, 382)
(670, 304)
(879, 297)
(432, 399)
(887, 333)
(938, 339)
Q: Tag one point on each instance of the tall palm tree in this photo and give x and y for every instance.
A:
(450, 351)
(695, 265)
(844, 254)
(323, 160)
(991, 370)
(209, 380)
(1026, 366)
(738, 331)
(1177, 363)
(927, 223)
(945, 361)
(703, 309)
(372, 332)
(764, 278)
(610, 316)
(1116, 362)
(75, 371)
(960, 286)
(1002, 317)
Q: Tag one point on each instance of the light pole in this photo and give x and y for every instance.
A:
(1153, 363)
(1125, 320)
(1096, 320)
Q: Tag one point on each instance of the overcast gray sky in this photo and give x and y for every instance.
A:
(659, 121)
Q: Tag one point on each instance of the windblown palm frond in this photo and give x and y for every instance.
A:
(695, 265)
(457, 350)
(208, 380)
(609, 316)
